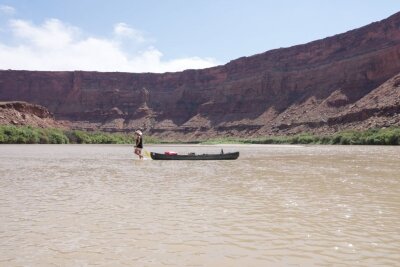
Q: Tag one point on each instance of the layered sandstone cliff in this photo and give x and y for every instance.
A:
(311, 87)
(22, 113)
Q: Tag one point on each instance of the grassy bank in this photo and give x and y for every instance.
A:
(29, 135)
(386, 136)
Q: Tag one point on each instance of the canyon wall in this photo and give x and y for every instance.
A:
(26, 114)
(309, 87)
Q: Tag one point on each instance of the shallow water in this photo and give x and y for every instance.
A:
(84, 205)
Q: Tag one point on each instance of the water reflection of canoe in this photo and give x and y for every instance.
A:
(192, 156)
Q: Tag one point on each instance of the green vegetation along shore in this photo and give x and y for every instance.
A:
(29, 135)
(386, 136)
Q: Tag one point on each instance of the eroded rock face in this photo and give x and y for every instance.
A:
(22, 113)
(281, 91)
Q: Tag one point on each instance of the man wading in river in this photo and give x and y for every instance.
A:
(138, 143)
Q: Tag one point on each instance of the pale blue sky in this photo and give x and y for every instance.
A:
(167, 35)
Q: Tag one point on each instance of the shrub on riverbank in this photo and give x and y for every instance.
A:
(385, 136)
(28, 135)
(10, 134)
(82, 137)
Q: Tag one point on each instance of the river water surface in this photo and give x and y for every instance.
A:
(97, 205)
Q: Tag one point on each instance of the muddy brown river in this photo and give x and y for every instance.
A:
(97, 205)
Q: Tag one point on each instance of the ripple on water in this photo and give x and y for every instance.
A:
(275, 205)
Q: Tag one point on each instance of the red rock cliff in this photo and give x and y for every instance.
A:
(22, 113)
(280, 91)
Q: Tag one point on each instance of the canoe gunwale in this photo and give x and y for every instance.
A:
(225, 156)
